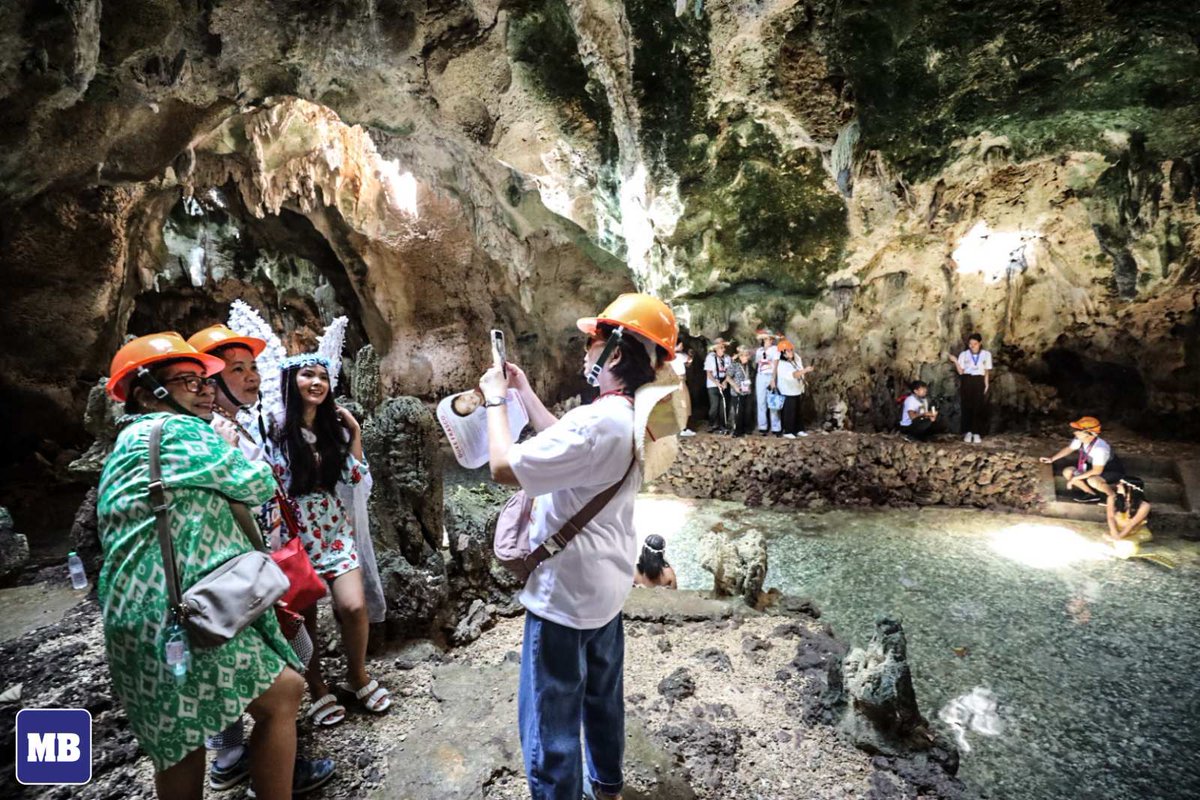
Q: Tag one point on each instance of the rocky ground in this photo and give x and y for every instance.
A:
(724, 702)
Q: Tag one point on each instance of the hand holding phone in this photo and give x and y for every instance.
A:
(499, 353)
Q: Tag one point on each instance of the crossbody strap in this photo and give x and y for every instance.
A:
(574, 526)
(162, 520)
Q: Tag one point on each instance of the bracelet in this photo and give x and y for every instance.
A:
(492, 402)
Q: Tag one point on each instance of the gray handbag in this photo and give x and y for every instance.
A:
(227, 600)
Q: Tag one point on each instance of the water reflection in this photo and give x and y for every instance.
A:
(1068, 673)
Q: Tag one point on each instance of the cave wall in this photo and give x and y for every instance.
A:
(807, 165)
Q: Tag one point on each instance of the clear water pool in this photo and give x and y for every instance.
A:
(1063, 672)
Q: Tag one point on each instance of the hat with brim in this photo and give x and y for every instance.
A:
(764, 333)
(1088, 424)
(151, 350)
(218, 337)
(659, 413)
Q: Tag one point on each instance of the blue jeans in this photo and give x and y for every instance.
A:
(571, 679)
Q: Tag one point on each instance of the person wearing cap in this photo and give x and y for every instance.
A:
(974, 366)
(238, 418)
(573, 651)
(716, 375)
(1096, 468)
(766, 357)
(162, 377)
(789, 380)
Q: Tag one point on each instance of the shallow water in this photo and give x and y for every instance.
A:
(1063, 673)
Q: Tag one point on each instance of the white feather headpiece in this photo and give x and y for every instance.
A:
(247, 322)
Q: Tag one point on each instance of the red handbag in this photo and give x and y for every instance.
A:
(306, 585)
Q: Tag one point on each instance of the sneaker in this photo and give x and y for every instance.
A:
(687, 432)
(789, 436)
(220, 779)
(977, 438)
(967, 438)
(802, 433)
(1083, 497)
(763, 432)
(310, 774)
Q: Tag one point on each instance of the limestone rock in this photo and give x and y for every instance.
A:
(738, 566)
(472, 626)
(678, 685)
(100, 420)
(470, 520)
(881, 713)
(14, 548)
(85, 535)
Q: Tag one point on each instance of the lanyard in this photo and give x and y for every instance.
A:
(975, 357)
(1085, 452)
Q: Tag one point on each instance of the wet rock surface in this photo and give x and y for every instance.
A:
(14, 549)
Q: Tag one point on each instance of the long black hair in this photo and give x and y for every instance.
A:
(310, 474)
(1137, 493)
(653, 560)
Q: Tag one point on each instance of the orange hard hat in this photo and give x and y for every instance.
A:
(146, 350)
(216, 336)
(786, 345)
(1089, 424)
(646, 316)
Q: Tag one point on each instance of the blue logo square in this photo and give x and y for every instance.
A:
(54, 746)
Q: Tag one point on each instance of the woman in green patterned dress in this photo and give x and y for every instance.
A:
(253, 672)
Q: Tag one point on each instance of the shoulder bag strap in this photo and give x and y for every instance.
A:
(574, 526)
(160, 506)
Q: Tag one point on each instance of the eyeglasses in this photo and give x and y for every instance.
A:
(193, 383)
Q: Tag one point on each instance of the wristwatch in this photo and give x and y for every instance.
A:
(494, 401)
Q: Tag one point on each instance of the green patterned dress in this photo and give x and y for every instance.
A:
(199, 471)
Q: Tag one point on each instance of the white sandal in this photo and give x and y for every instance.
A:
(325, 708)
(373, 697)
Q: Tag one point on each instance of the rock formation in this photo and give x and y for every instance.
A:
(738, 566)
(14, 548)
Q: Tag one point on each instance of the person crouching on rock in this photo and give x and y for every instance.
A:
(917, 419)
(1127, 515)
(573, 652)
(1096, 468)
(652, 567)
(163, 379)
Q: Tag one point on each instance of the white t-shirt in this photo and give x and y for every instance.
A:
(585, 584)
(974, 364)
(679, 364)
(912, 403)
(1098, 453)
(711, 365)
(765, 359)
(788, 379)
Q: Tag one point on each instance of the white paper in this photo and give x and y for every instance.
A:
(469, 435)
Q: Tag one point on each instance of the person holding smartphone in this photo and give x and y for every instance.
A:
(573, 652)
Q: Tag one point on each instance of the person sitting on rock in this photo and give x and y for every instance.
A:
(918, 420)
(652, 567)
(1127, 515)
(1096, 468)
(573, 651)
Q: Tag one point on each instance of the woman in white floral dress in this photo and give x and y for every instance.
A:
(320, 447)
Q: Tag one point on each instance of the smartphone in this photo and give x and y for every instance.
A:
(499, 353)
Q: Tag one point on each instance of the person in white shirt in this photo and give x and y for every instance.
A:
(765, 359)
(741, 392)
(572, 657)
(789, 380)
(974, 365)
(680, 363)
(716, 377)
(918, 419)
(1097, 468)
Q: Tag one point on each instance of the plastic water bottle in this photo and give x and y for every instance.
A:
(176, 653)
(75, 567)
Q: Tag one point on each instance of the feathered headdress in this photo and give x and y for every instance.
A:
(246, 321)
